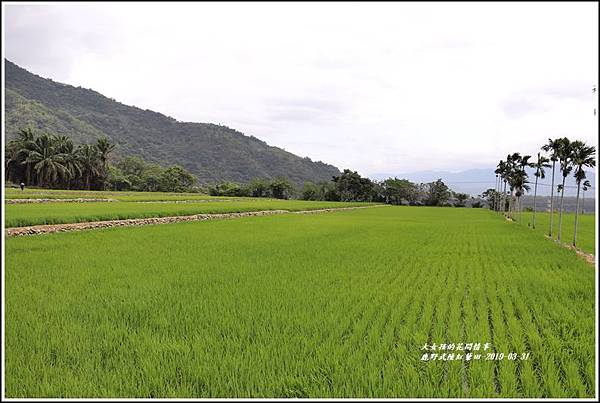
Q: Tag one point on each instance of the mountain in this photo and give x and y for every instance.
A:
(211, 152)
(476, 181)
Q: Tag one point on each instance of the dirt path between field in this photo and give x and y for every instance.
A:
(78, 200)
(588, 257)
(591, 259)
(49, 229)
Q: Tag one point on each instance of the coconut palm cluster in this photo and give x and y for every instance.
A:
(48, 160)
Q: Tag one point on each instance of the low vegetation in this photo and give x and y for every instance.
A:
(325, 305)
(19, 215)
(38, 193)
(586, 227)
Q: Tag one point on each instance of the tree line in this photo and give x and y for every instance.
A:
(349, 186)
(133, 173)
(54, 161)
(278, 188)
(572, 157)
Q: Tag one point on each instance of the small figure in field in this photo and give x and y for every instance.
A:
(22, 186)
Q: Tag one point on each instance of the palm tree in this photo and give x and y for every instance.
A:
(496, 191)
(519, 183)
(11, 158)
(23, 145)
(88, 157)
(507, 176)
(523, 179)
(508, 166)
(564, 154)
(552, 146)
(582, 156)
(62, 143)
(514, 162)
(46, 162)
(105, 147)
(500, 170)
(541, 163)
(517, 179)
(585, 186)
(71, 160)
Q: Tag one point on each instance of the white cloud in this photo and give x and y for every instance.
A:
(376, 87)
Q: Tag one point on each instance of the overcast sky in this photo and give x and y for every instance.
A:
(379, 88)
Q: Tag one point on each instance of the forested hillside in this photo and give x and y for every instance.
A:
(211, 152)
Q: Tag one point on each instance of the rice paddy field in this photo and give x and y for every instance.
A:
(18, 215)
(337, 304)
(33, 193)
(585, 228)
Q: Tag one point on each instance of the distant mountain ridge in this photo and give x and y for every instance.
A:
(476, 181)
(211, 152)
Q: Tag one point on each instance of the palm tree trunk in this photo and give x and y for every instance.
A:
(28, 174)
(560, 212)
(87, 181)
(576, 215)
(583, 202)
(41, 180)
(534, 197)
(552, 201)
(498, 194)
(513, 214)
(105, 175)
(504, 198)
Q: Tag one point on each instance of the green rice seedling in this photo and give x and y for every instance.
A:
(338, 304)
(40, 193)
(19, 215)
(586, 229)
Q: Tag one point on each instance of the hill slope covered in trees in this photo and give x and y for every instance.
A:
(211, 152)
